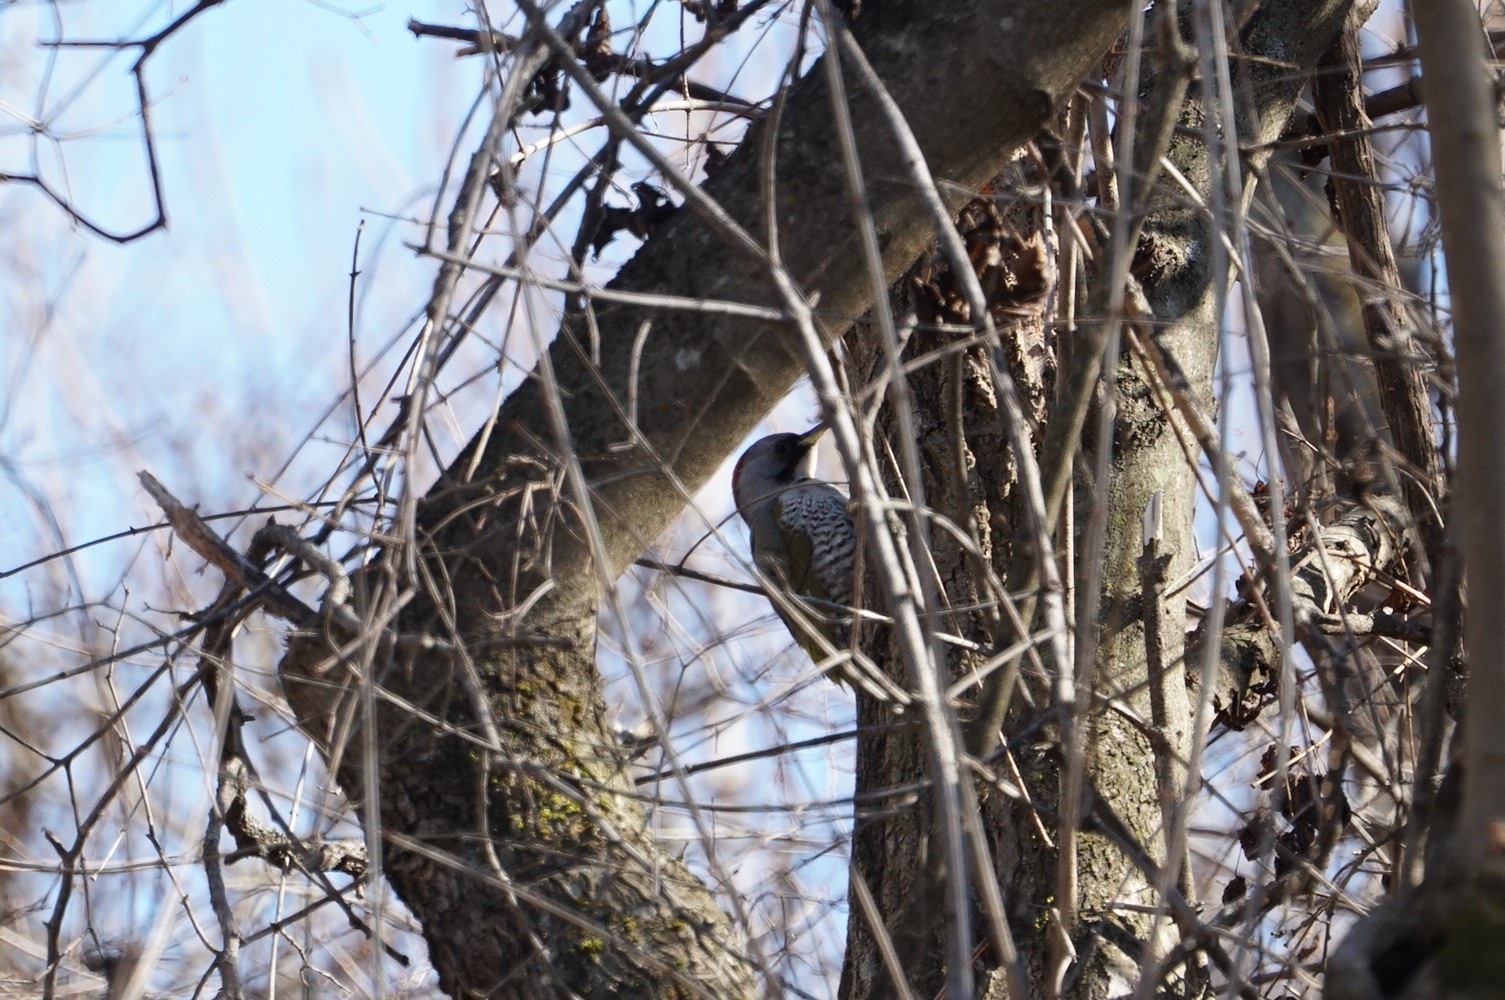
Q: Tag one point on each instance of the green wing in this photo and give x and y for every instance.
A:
(799, 574)
(801, 580)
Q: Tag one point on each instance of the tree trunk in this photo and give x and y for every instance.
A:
(1134, 749)
(502, 799)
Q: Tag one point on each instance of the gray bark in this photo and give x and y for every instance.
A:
(1131, 750)
(502, 798)
(1281, 45)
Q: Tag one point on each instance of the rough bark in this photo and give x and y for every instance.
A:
(1133, 748)
(502, 800)
(1281, 45)
(968, 477)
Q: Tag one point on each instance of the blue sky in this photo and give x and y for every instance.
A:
(281, 127)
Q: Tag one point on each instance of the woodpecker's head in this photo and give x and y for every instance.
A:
(773, 463)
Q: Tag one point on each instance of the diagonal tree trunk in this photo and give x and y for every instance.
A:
(483, 755)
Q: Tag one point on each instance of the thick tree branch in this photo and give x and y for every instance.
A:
(501, 550)
(705, 381)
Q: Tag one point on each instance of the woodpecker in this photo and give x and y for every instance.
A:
(803, 539)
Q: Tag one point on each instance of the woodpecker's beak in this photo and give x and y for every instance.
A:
(807, 440)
